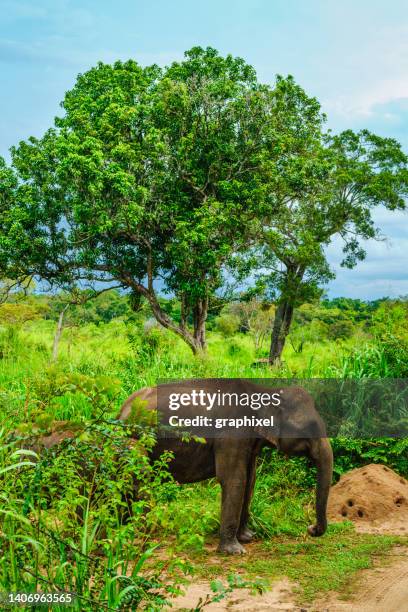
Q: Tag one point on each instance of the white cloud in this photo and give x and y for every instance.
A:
(372, 73)
(384, 270)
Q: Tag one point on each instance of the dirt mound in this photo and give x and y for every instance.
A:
(374, 497)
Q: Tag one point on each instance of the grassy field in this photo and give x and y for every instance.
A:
(62, 525)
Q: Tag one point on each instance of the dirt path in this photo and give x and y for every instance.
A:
(241, 600)
(382, 589)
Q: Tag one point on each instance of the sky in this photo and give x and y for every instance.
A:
(351, 54)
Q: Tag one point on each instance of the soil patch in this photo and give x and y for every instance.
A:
(373, 497)
(383, 589)
(279, 597)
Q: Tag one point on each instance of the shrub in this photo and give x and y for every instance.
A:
(63, 518)
(150, 343)
(341, 330)
(350, 453)
(227, 324)
(395, 350)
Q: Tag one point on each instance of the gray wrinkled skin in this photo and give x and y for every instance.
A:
(233, 460)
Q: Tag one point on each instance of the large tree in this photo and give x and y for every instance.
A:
(350, 174)
(149, 179)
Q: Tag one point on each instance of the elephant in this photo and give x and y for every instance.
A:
(232, 460)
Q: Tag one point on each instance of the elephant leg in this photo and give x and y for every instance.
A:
(245, 535)
(232, 475)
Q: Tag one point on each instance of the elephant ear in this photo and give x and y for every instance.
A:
(270, 434)
(295, 418)
(298, 416)
(305, 427)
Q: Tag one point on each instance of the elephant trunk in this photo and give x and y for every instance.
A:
(322, 454)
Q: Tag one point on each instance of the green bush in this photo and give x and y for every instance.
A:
(395, 351)
(227, 324)
(341, 330)
(63, 519)
(150, 343)
(350, 453)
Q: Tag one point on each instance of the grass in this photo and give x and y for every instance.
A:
(46, 545)
(315, 567)
(95, 350)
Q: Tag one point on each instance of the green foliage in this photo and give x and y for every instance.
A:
(59, 515)
(176, 174)
(13, 342)
(395, 351)
(139, 415)
(353, 310)
(149, 344)
(341, 330)
(177, 177)
(283, 491)
(351, 453)
(48, 391)
(227, 324)
(149, 174)
(343, 179)
(384, 358)
(75, 500)
(17, 314)
(10, 342)
(390, 316)
(254, 316)
(84, 308)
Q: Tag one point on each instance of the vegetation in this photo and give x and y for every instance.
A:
(187, 176)
(353, 174)
(64, 514)
(148, 175)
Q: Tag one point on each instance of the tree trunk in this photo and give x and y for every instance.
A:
(184, 311)
(195, 340)
(57, 336)
(200, 317)
(281, 327)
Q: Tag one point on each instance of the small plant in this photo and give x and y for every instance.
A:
(221, 590)
(149, 344)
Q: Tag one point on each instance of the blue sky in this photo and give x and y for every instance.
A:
(351, 54)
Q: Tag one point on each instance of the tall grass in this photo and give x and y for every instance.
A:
(62, 528)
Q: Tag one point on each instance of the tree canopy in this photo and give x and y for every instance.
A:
(351, 174)
(153, 178)
(159, 180)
